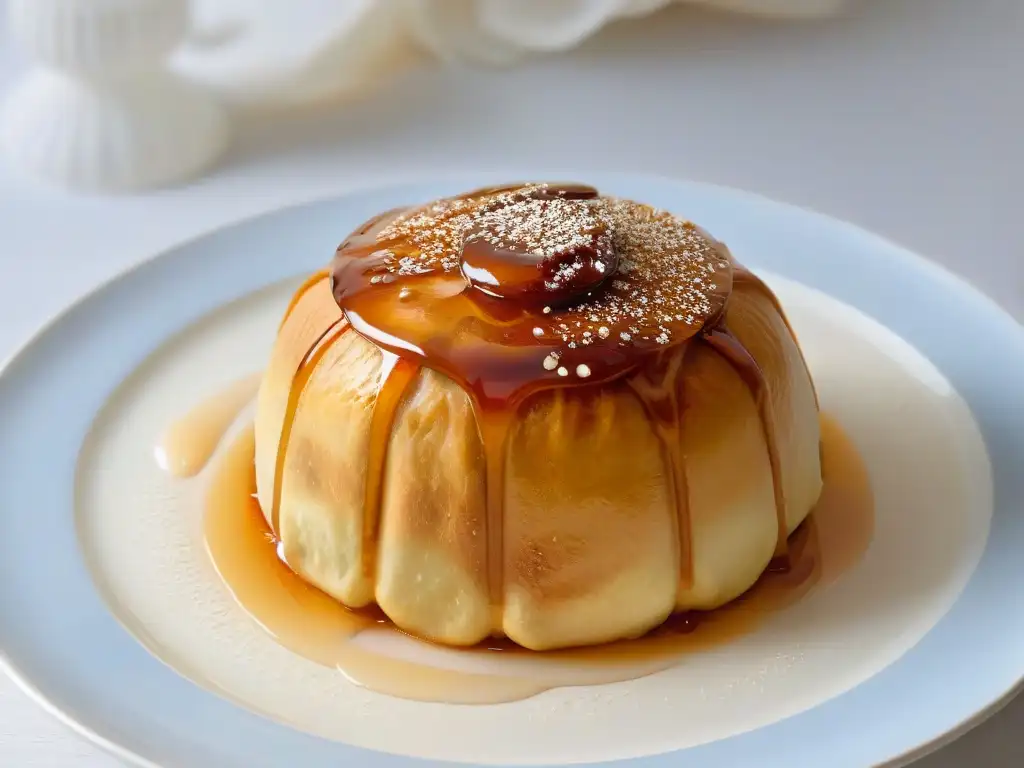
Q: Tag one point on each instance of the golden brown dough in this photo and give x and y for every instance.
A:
(590, 553)
(590, 534)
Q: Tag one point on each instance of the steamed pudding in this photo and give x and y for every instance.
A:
(538, 412)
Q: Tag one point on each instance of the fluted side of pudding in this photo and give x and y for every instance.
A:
(594, 543)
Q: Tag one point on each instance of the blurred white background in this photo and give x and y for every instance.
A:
(903, 116)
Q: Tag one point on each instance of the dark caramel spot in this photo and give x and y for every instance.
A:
(549, 246)
(568, 191)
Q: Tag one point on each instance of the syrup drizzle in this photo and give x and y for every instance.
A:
(313, 356)
(316, 626)
(495, 427)
(659, 388)
(501, 351)
(396, 374)
(743, 276)
(733, 352)
(308, 284)
(654, 375)
(455, 331)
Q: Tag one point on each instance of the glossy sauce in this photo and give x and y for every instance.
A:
(315, 626)
(188, 443)
(660, 390)
(507, 315)
(728, 346)
(396, 375)
(300, 378)
(513, 290)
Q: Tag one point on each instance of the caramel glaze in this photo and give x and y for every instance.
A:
(396, 375)
(658, 385)
(313, 280)
(743, 276)
(729, 347)
(305, 369)
(316, 626)
(488, 311)
(483, 287)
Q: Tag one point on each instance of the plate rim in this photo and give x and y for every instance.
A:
(952, 280)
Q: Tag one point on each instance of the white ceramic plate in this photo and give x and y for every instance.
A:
(113, 618)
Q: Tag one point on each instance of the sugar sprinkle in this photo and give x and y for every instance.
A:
(666, 282)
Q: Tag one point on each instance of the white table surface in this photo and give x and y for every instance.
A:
(905, 117)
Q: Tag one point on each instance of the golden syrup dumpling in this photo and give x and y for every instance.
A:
(482, 450)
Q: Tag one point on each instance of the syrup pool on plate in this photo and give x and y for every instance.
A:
(558, 292)
(187, 444)
(369, 651)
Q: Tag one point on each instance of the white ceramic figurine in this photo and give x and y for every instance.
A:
(279, 53)
(100, 111)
